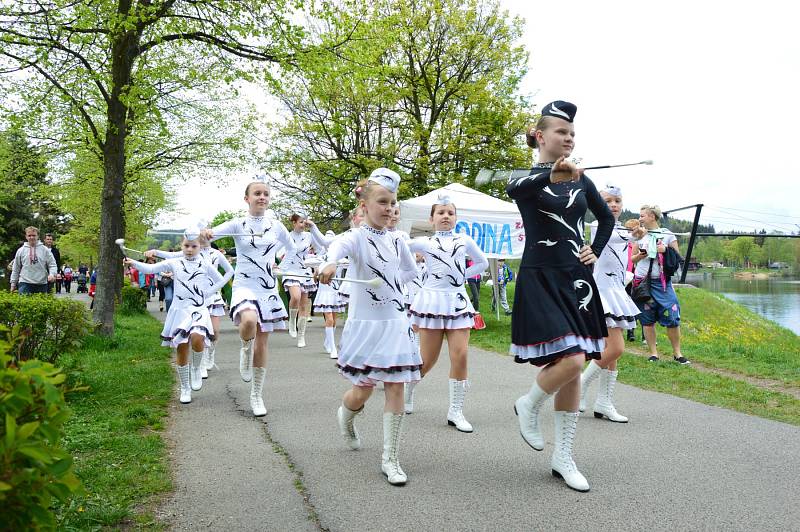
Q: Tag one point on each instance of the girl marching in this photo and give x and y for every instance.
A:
(441, 307)
(327, 301)
(188, 320)
(376, 345)
(558, 318)
(298, 288)
(256, 307)
(620, 310)
(215, 303)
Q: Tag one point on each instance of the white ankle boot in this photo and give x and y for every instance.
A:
(527, 410)
(347, 427)
(301, 331)
(185, 388)
(591, 372)
(212, 350)
(326, 345)
(604, 405)
(562, 464)
(455, 415)
(408, 396)
(256, 391)
(197, 370)
(204, 364)
(390, 463)
(246, 360)
(293, 322)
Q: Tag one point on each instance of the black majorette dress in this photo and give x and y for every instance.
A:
(557, 307)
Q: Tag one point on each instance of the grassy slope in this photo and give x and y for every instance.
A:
(716, 332)
(114, 432)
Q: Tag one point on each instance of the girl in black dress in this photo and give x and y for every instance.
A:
(558, 319)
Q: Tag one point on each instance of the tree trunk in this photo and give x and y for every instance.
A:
(112, 222)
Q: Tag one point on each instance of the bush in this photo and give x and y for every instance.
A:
(133, 300)
(33, 467)
(47, 326)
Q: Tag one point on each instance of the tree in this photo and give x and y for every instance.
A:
(23, 177)
(104, 77)
(429, 88)
(744, 250)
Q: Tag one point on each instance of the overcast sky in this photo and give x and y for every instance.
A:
(709, 90)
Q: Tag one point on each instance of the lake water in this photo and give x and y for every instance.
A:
(776, 298)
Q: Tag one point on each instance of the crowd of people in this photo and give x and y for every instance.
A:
(404, 296)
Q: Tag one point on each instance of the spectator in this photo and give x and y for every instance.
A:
(33, 267)
(504, 276)
(59, 280)
(663, 306)
(92, 288)
(474, 284)
(68, 274)
(49, 244)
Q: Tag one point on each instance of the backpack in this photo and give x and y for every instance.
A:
(68, 276)
(672, 261)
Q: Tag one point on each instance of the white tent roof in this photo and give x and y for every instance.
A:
(416, 212)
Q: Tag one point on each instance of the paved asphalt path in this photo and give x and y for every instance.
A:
(677, 465)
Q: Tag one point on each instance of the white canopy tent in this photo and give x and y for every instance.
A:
(494, 224)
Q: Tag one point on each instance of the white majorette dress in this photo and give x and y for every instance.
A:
(327, 299)
(254, 283)
(215, 303)
(442, 302)
(194, 281)
(376, 343)
(609, 275)
(294, 263)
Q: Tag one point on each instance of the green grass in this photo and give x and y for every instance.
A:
(708, 388)
(717, 333)
(115, 430)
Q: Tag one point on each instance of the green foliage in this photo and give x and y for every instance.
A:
(47, 327)
(430, 89)
(133, 300)
(23, 198)
(34, 469)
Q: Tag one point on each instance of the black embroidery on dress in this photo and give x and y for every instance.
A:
(461, 299)
(378, 273)
(377, 253)
(254, 263)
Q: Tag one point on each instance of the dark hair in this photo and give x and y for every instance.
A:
(433, 207)
(530, 135)
(251, 183)
(295, 217)
(49, 234)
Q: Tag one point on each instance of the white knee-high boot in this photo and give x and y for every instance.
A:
(591, 372)
(204, 364)
(562, 464)
(293, 322)
(455, 414)
(604, 405)
(197, 369)
(334, 353)
(301, 331)
(408, 396)
(346, 419)
(390, 463)
(210, 356)
(527, 410)
(246, 360)
(185, 387)
(256, 392)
